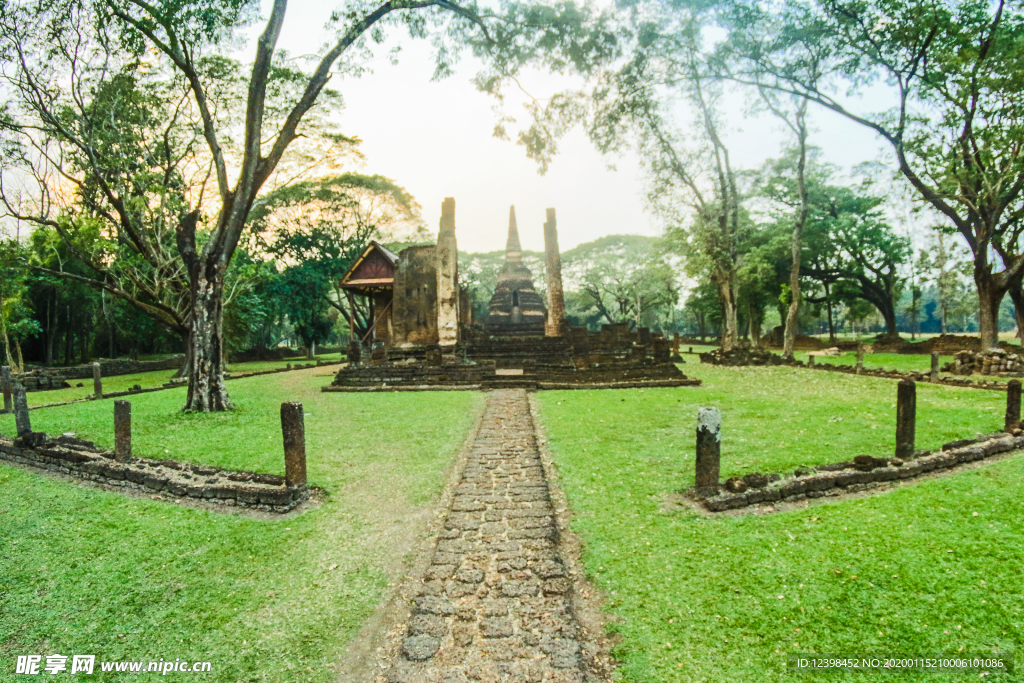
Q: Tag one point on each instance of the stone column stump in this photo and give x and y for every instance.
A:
(293, 428)
(906, 416)
(97, 381)
(1012, 420)
(709, 449)
(122, 431)
(21, 420)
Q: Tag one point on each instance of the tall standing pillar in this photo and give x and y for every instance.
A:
(906, 418)
(447, 277)
(555, 326)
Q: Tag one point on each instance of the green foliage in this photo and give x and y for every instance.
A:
(620, 278)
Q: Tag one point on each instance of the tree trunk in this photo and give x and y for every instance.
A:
(789, 334)
(207, 391)
(831, 322)
(21, 360)
(755, 330)
(989, 298)
(7, 341)
(1017, 296)
(729, 325)
(186, 367)
(311, 350)
(51, 332)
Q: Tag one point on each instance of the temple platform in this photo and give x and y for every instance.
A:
(614, 358)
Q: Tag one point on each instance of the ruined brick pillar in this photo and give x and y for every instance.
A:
(447, 277)
(22, 423)
(709, 448)
(122, 431)
(97, 381)
(293, 429)
(906, 417)
(555, 325)
(1012, 420)
(935, 368)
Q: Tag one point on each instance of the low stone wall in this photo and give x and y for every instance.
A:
(915, 376)
(859, 474)
(743, 356)
(44, 379)
(995, 362)
(81, 459)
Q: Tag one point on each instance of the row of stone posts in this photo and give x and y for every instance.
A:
(709, 430)
(293, 428)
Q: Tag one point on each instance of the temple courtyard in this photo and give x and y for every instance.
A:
(386, 573)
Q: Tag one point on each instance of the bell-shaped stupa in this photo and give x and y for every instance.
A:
(516, 308)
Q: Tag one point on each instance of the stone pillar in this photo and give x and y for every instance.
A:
(860, 358)
(354, 352)
(810, 360)
(378, 354)
(21, 421)
(447, 277)
(294, 430)
(935, 368)
(709, 447)
(555, 325)
(122, 431)
(906, 415)
(5, 378)
(1012, 406)
(97, 381)
(675, 357)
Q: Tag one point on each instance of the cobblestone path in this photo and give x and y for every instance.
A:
(494, 605)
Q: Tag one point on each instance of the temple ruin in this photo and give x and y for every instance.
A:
(515, 308)
(423, 336)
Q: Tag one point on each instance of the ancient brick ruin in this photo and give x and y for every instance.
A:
(515, 307)
(993, 362)
(423, 337)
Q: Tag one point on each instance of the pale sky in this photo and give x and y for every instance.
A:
(435, 139)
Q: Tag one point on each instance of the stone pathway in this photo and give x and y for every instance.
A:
(495, 605)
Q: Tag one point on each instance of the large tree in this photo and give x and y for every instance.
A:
(852, 251)
(242, 157)
(955, 71)
(623, 278)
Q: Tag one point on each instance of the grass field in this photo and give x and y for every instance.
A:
(903, 362)
(156, 378)
(929, 568)
(85, 571)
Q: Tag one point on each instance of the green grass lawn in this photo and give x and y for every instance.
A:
(904, 362)
(85, 571)
(156, 378)
(730, 598)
